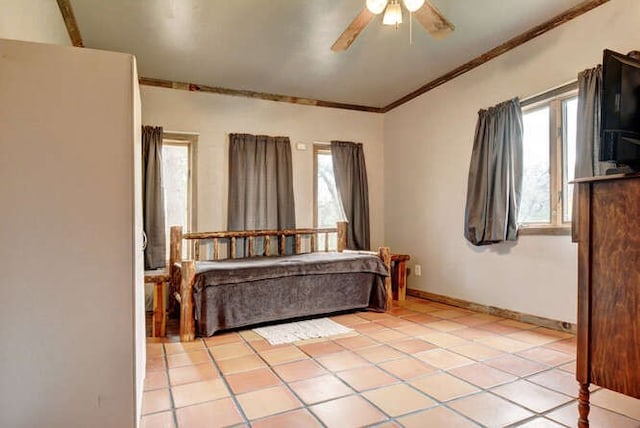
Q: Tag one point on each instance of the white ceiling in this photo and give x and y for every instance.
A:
(283, 46)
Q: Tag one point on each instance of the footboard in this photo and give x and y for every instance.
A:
(224, 245)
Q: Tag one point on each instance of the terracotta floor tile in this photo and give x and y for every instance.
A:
(368, 327)
(489, 410)
(319, 389)
(389, 424)
(267, 402)
(444, 340)
(372, 316)
(482, 375)
(471, 320)
(531, 396)
(250, 335)
(155, 401)
(598, 417)
(295, 419)
(555, 333)
(342, 361)
(260, 345)
(450, 313)
(355, 342)
(516, 365)
(567, 346)
(412, 345)
(476, 351)
(443, 387)
(283, 355)
(380, 353)
(387, 335)
(219, 413)
(180, 347)
(540, 422)
(416, 330)
(407, 368)
(569, 367)
(188, 358)
(532, 337)
(421, 318)
(199, 392)
(194, 373)
(616, 402)
(546, 356)
(498, 328)
(349, 320)
(487, 317)
(557, 380)
(321, 348)
(436, 417)
(517, 324)
(443, 359)
(395, 323)
(365, 378)
(156, 380)
(230, 350)
(242, 364)
(154, 350)
(472, 333)
(347, 412)
(250, 381)
(446, 326)
(222, 339)
(505, 344)
(299, 370)
(400, 399)
(158, 420)
(155, 364)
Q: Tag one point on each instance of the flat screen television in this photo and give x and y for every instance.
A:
(620, 111)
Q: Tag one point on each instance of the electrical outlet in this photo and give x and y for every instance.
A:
(418, 270)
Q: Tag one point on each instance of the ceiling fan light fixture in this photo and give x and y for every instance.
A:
(393, 14)
(413, 5)
(376, 6)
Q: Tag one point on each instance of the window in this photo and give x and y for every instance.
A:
(178, 160)
(549, 154)
(327, 205)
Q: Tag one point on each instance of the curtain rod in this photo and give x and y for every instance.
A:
(550, 93)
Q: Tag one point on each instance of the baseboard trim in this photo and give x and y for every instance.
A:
(492, 310)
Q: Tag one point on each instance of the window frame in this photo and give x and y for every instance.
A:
(191, 142)
(554, 99)
(318, 148)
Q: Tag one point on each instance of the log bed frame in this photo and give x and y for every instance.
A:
(182, 272)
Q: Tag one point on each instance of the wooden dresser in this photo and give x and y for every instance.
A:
(608, 286)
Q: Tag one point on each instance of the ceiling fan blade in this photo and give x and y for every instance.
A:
(353, 30)
(433, 21)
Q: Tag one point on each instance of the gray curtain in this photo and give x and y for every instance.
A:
(495, 175)
(260, 185)
(587, 134)
(350, 173)
(153, 198)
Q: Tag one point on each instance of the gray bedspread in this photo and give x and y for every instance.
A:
(241, 292)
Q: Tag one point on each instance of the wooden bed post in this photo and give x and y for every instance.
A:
(342, 235)
(187, 322)
(385, 255)
(175, 256)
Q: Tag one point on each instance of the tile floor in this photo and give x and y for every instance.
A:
(423, 364)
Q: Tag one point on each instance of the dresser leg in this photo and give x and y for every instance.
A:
(583, 406)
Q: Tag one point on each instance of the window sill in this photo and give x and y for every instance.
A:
(544, 230)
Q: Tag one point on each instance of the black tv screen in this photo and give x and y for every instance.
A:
(620, 110)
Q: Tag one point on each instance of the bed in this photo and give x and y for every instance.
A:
(220, 289)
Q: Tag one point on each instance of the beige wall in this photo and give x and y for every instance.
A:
(33, 21)
(68, 241)
(214, 117)
(427, 150)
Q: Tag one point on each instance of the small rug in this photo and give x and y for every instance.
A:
(301, 330)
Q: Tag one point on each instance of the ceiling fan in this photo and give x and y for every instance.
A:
(427, 15)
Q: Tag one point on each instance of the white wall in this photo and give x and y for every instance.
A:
(33, 21)
(67, 237)
(214, 117)
(428, 146)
